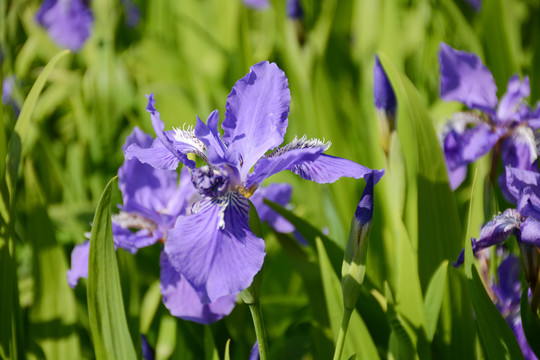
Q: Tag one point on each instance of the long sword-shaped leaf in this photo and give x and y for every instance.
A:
(110, 333)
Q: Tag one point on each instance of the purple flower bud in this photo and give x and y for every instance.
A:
(383, 94)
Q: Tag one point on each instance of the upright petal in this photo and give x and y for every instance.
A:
(166, 138)
(79, 264)
(517, 180)
(466, 79)
(209, 136)
(214, 249)
(510, 103)
(280, 194)
(499, 229)
(256, 113)
(182, 300)
(519, 150)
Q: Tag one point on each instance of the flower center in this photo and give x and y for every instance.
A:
(211, 181)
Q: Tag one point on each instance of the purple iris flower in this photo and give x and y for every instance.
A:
(68, 22)
(153, 201)
(523, 222)
(294, 9)
(508, 296)
(213, 247)
(475, 4)
(508, 122)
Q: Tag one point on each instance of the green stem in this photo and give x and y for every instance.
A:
(260, 331)
(342, 333)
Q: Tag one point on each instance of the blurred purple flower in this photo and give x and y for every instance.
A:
(257, 4)
(509, 122)
(294, 9)
(508, 294)
(153, 201)
(214, 248)
(68, 22)
(8, 85)
(475, 4)
(523, 222)
(148, 352)
(133, 13)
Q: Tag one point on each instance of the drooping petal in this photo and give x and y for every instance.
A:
(530, 232)
(499, 229)
(79, 264)
(508, 289)
(68, 23)
(210, 137)
(184, 302)
(272, 164)
(133, 241)
(510, 103)
(256, 113)
(529, 202)
(479, 141)
(179, 150)
(466, 79)
(214, 248)
(327, 169)
(280, 194)
(156, 155)
(383, 94)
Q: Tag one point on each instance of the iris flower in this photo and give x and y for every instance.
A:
(214, 247)
(68, 22)
(523, 222)
(508, 122)
(153, 200)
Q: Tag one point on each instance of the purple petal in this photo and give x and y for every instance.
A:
(256, 113)
(517, 328)
(294, 9)
(79, 264)
(475, 4)
(280, 194)
(182, 300)
(508, 289)
(383, 94)
(466, 79)
(479, 141)
(148, 352)
(533, 117)
(257, 4)
(214, 249)
(364, 210)
(268, 166)
(517, 180)
(519, 150)
(529, 202)
(157, 155)
(254, 355)
(327, 169)
(133, 241)
(530, 232)
(510, 103)
(67, 22)
(210, 137)
(499, 229)
(178, 150)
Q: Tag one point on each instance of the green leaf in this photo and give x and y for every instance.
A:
(227, 346)
(108, 324)
(358, 339)
(496, 337)
(433, 300)
(531, 323)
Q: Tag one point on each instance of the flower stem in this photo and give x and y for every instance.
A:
(260, 331)
(342, 333)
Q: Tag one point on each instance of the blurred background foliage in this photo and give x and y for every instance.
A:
(190, 53)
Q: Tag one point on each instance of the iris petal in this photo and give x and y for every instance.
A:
(182, 300)
(79, 263)
(214, 248)
(256, 113)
